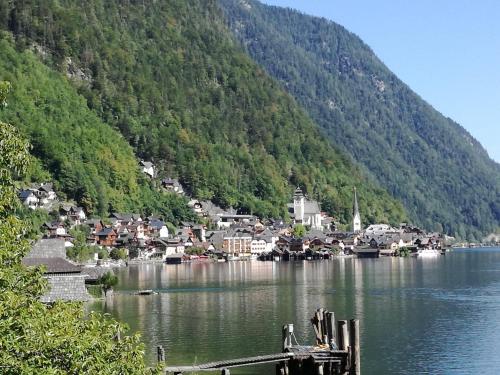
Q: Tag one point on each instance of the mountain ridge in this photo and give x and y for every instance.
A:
(171, 79)
(444, 177)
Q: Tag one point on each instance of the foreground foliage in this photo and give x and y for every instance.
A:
(435, 167)
(36, 338)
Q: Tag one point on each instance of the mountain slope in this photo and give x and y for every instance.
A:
(168, 76)
(440, 172)
(89, 161)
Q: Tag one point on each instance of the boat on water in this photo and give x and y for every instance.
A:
(145, 292)
(233, 257)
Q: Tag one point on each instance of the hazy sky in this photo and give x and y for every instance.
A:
(448, 51)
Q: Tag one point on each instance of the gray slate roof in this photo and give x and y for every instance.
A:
(53, 265)
(66, 288)
(94, 273)
(311, 207)
(48, 248)
(24, 194)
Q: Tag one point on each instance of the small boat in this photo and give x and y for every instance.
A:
(233, 257)
(144, 292)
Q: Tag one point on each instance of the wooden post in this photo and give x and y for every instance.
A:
(319, 318)
(160, 353)
(323, 325)
(330, 325)
(284, 338)
(287, 336)
(316, 331)
(343, 340)
(355, 348)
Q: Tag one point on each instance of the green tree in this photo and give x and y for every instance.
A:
(40, 338)
(118, 254)
(299, 230)
(108, 281)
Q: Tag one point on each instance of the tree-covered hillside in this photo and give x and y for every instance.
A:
(89, 161)
(169, 77)
(439, 171)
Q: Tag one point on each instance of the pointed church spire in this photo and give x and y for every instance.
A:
(356, 217)
(355, 208)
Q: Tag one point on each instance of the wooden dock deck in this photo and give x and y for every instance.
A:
(240, 362)
(336, 352)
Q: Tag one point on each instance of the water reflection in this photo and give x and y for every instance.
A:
(418, 316)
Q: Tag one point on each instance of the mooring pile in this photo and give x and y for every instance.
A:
(336, 351)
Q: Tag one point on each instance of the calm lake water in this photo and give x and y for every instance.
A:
(418, 316)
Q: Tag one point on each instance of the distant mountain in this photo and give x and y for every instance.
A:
(169, 77)
(436, 168)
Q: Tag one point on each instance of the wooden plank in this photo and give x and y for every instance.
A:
(240, 362)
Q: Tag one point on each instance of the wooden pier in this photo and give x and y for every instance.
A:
(336, 352)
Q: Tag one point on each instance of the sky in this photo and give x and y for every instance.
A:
(447, 51)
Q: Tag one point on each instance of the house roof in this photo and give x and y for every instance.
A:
(66, 288)
(53, 265)
(93, 222)
(94, 273)
(311, 207)
(53, 225)
(48, 187)
(48, 248)
(24, 194)
(147, 164)
(122, 216)
(157, 224)
(105, 232)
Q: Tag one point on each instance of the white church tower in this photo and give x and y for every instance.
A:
(356, 218)
(298, 205)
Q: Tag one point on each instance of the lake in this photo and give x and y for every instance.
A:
(417, 316)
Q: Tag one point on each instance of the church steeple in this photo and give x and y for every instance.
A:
(356, 218)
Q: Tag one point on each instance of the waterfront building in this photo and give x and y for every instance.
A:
(66, 280)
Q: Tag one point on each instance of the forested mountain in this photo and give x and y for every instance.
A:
(169, 77)
(439, 171)
(90, 162)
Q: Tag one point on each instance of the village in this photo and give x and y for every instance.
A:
(224, 234)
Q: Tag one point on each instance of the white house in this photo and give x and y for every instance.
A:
(148, 168)
(28, 198)
(172, 185)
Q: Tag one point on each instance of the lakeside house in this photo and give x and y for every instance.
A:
(66, 280)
